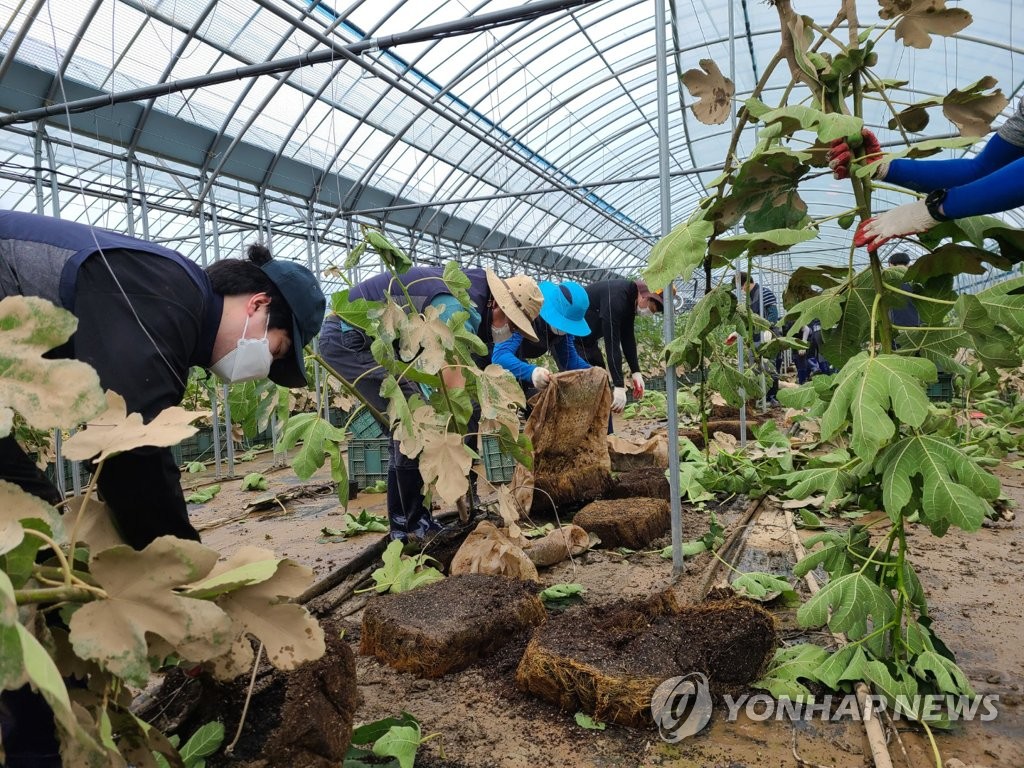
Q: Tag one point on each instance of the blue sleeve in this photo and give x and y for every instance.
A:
(567, 356)
(505, 354)
(449, 305)
(926, 175)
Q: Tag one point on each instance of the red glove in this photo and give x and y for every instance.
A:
(840, 156)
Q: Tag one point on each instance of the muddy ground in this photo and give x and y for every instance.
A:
(972, 580)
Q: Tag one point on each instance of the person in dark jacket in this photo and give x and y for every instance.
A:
(502, 307)
(146, 314)
(614, 306)
(562, 317)
(905, 315)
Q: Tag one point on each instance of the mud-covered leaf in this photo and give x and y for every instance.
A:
(971, 110)
(401, 743)
(17, 505)
(240, 570)
(115, 431)
(23, 659)
(713, 90)
(254, 481)
(262, 609)
(583, 720)
(922, 19)
(765, 587)
(500, 398)
(401, 574)
(760, 243)
(427, 332)
(47, 393)
(561, 591)
(788, 668)
(203, 495)
(203, 743)
(445, 463)
(867, 388)
(679, 252)
(946, 675)
(852, 604)
(141, 598)
(956, 491)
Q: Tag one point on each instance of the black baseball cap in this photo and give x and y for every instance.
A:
(306, 301)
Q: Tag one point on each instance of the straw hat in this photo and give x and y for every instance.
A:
(520, 300)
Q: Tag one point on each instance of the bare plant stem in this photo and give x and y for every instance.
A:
(230, 748)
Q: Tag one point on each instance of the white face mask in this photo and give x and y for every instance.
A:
(644, 312)
(249, 360)
(504, 333)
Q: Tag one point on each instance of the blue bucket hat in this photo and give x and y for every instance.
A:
(565, 307)
(306, 301)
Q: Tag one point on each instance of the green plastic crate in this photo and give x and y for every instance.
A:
(367, 460)
(364, 425)
(941, 390)
(498, 466)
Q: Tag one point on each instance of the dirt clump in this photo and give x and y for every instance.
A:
(632, 523)
(445, 626)
(279, 728)
(608, 660)
(650, 482)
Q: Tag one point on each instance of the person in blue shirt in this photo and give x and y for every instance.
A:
(562, 317)
(986, 183)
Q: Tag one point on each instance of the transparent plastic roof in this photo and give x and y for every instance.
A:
(529, 143)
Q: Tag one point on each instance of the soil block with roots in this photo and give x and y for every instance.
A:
(446, 626)
(632, 523)
(649, 482)
(303, 717)
(608, 660)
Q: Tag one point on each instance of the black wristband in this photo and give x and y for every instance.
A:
(934, 202)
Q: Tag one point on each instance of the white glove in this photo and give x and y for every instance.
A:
(541, 377)
(903, 220)
(638, 386)
(619, 400)
(731, 338)
(766, 336)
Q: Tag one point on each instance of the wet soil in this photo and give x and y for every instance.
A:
(445, 626)
(278, 729)
(650, 482)
(608, 660)
(972, 583)
(632, 523)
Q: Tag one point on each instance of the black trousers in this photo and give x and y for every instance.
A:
(348, 353)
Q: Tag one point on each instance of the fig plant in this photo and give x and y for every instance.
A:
(885, 440)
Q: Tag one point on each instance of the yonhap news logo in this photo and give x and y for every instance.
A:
(682, 706)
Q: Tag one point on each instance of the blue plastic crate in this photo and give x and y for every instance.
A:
(364, 425)
(498, 466)
(367, 460)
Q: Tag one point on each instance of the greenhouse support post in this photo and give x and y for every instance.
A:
(661, 54)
